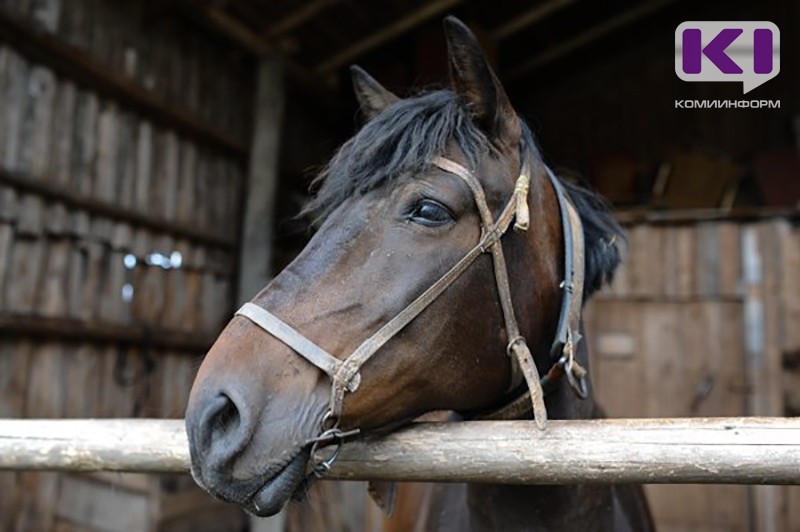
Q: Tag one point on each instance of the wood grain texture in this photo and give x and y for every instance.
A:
(700, 450)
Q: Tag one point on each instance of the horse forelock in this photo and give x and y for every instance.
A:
(395, 145)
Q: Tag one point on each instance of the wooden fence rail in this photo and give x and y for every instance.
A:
(696, 450)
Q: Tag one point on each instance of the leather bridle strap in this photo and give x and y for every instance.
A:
(567, 336)
(516, 348)
(344, 373)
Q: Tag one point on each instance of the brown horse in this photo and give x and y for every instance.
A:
(401, 208)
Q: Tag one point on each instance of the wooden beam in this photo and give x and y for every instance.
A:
(696, 450)
(224, 24)
(693, 216)
(74, 330)
(41, 186)
(385, 34)
(258, 215)
(298, 17)
(570, 45)
(46, 49)
(536, 14)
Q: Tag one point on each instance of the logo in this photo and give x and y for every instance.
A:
(746, 51)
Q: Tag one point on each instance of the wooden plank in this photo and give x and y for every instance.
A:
(31, 216)
(63, 133)
(713, 450)
(82, 370)
(767, 368)
(45, 398)
(91, 504)
(4, 82)
(22, 281)
(106, 163)
(144, 166)
(14, 95)
(37, 122)
(616, 376)
(255, 247)
(110, 210)
(127, 147)
(729, 265)
(6, 241)
(685, 247)
(692, 216)
(14, 370)
(50, 51)
(85, 143)
(637, 260)
(166, 174)
(52, 298)
(72, 331)
(185, 200)
(708, 258)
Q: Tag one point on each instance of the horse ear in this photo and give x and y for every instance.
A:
(371, 95)
(474, 81)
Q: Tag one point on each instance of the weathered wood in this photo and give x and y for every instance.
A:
(72, 330)
(692, 216)
(48, 50)
(63, 125)
(696, 450)
(13, 93)
(255, 246)
(109, 209)
(36, 132)
(85, 142)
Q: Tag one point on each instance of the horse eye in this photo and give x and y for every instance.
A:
(431, 213)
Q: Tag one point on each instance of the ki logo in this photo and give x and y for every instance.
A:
(745, 51)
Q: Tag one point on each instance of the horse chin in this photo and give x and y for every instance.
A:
(271, 497)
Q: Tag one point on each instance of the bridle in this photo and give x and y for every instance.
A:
(344, 373)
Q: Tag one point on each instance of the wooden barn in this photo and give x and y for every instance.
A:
(154, 156)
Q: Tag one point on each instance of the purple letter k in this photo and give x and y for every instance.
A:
(715, 51)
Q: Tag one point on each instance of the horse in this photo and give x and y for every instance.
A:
(415, 296)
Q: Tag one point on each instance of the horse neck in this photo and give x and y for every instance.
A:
(512, 507)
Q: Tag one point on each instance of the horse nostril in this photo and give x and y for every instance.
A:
(227, 418)
(220, 430)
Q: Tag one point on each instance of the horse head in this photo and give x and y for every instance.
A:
(398, 210)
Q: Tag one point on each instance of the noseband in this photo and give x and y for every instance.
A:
(344, 373)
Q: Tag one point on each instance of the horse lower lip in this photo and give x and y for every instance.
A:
(271, 497)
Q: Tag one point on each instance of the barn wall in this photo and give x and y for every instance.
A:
(123, 134)
(701, 321)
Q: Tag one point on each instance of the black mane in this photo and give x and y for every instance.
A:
(397, 143)
(402, 140)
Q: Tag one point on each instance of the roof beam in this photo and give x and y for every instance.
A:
(582, 39)
(298, 17)
(528, 18)
(385, 34)
(224, 24)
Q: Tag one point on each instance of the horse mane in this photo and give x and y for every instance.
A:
(396, 144)
(401, 141)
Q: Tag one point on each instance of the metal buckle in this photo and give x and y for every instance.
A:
(571, 368)
(330, 433)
